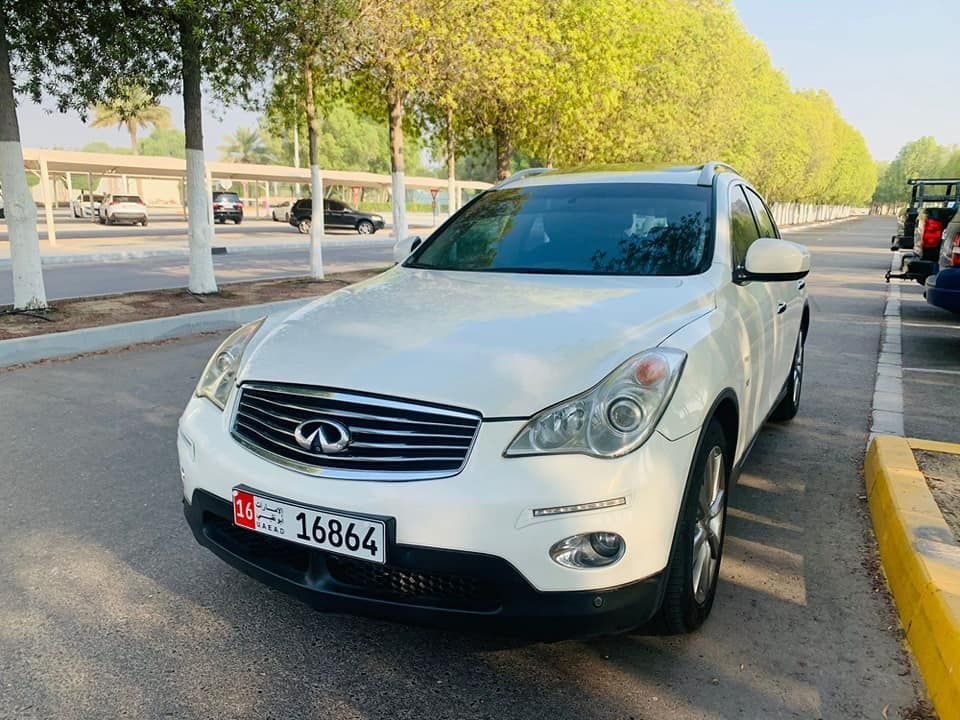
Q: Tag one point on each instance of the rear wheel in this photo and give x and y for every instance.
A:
(365, 227)
(143, 222)
(790, 405)
(695, 561)
(238, 221)
(304, 227)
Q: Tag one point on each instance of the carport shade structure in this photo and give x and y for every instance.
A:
(47, 162)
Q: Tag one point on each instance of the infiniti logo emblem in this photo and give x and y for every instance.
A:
(322, 436)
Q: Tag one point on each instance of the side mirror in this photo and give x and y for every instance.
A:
(403, 248)
(772, 260)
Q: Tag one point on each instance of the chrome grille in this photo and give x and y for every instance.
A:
(390, 439)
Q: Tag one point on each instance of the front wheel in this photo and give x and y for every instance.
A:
(304, 227)
(695, 560)
(365, 227)
(790, 405)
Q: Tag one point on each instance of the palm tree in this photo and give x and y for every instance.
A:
(133, 108)
(245, 146)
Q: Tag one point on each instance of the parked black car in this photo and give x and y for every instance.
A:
(933, 203)
(227, 206)
(336, 214)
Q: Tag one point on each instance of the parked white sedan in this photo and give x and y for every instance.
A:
(532, 422)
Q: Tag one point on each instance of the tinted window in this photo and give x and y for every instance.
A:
(762, 215)
(226, 196)
(743, 229)
(333, 205)
(126, 199)
(303, 203)
(596, 229)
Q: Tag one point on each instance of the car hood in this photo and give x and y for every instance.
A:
(505, 345)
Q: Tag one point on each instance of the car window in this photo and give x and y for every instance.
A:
(126, 199)
(743, 228)
(762, 214)
(594, 229)
(227, 196)
(333, 205)
(303, 203)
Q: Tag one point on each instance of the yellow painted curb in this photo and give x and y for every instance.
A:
(921, 559)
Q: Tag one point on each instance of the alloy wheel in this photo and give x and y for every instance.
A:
(708, 530)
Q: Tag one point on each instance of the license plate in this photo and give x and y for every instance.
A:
(357, 537)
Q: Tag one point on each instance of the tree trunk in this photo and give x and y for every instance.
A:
(199, 222)
(397, 175)
(19, 207)
(132, 129)
(316, 184)
(453, 200)
(503, 152)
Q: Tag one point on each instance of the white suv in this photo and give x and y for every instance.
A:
(116, 209)
(532, 422)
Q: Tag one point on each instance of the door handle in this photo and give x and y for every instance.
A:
(781, 308)
(801, 284)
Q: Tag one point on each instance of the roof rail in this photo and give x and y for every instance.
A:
(519, 175)
(711, 169)
(933, 181)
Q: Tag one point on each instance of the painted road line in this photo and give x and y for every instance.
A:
(932, 370)
(921, 561)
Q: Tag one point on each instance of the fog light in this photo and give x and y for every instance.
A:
(589, 550)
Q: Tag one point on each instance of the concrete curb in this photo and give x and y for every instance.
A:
(75, 342)
(921, 560)
(126, 255)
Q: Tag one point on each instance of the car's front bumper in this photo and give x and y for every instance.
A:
(422, 585)
(485, 511)
(943, 289)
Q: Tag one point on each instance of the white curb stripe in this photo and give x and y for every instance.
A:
(886, 417)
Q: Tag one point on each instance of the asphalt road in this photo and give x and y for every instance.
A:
(80, 279)
(931, 367)
(109, 609)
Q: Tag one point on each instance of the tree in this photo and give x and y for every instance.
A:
(319, 43)
(61, 53)
(164, 142)
(246, 146)
(132, 108)
(173, 46)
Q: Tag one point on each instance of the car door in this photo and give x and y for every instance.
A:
(333, 213)
(787, 296)
(757, 307)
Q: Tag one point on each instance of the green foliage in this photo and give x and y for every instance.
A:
(132, 107)
(164, 142)
(922, 157)
(246, 146)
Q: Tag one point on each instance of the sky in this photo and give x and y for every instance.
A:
(879, 60)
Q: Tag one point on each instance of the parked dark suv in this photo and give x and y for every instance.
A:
(336, 214)
(227, 206)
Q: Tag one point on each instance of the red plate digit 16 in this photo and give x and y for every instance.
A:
(243, 510)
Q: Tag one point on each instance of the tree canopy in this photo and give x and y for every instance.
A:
(923, 157)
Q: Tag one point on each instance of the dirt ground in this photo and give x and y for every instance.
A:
(942, 472)
(125, 307)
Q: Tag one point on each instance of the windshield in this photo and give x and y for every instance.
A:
(230, 197)
(593, 229)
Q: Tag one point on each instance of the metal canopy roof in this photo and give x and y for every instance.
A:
(148, 166)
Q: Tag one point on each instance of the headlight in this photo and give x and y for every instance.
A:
(221, 370)
(612, 418)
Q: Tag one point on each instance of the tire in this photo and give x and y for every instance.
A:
(143, 223)
(304, 227)
(238, 221)
(365, 227)
(790, 405)
(698, 548)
